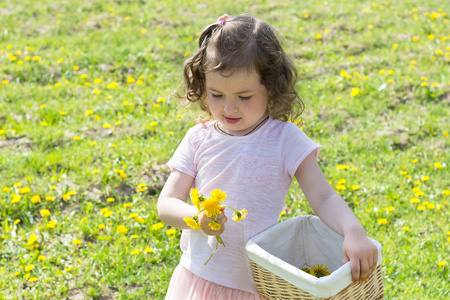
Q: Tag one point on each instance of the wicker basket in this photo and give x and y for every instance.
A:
(277, 254)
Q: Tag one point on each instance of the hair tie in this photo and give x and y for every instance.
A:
(221, 20)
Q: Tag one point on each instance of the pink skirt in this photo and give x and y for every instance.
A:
(188, 286)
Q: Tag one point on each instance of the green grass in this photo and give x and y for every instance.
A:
(66, 135)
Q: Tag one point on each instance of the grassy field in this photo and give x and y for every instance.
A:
(88, 119)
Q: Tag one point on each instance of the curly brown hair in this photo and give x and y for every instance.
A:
(244, 42)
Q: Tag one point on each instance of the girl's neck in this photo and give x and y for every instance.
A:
(260, 124)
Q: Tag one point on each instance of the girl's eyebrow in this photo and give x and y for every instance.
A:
(241, 92)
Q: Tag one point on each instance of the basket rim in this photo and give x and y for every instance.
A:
(327, 286)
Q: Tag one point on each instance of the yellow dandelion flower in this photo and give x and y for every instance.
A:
(101, 226)
(122, 174)
(130, 80)
(355, 92)
(41, 258)
(414, 200)
(342, 167)
(29, 268)
(240, 215)
(108, 214)
(148, 250)
(45, 213)
(406, 228)
(50, 198)
(157, 226)
(382, 221)
(195, 198)
(32, 239)
(51, 224)
(139, 220)
(122, 229)
(35, 199)
(214, 225)
(193, 222)
(306, 270)
(341, 187)
(211, 207)
(24, 190)
(33, 279)
(171, 231)
(446, 193)
(218, 195)
(438, 165)
(442, 263)
(421, 207)
(136, 251)
(110, 199)
(76, 242)
(133, 215)
(319, 271)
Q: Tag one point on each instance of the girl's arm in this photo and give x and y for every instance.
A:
(172, 206)
(336, 214)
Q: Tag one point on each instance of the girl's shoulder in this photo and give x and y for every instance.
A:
(200, 131)
(277, 128)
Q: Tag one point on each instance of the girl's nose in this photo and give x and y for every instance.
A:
(230, 107)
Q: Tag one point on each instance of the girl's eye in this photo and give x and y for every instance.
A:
(216, 96)
(245, 98)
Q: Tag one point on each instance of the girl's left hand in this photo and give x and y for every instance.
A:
(362, 254)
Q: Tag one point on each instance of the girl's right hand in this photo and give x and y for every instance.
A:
(204, 221)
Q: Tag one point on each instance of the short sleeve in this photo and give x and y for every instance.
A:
(183, 158)
(296, 146)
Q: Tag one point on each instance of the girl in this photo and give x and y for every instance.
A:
(241, 76)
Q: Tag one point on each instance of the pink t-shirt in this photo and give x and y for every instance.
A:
(255, 171)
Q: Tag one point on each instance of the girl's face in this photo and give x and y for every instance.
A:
(239, 101)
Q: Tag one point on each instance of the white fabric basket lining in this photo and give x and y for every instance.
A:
(304, 241)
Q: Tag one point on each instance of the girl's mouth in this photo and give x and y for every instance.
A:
(232, 120)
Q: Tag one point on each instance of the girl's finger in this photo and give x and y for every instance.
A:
(356, 269)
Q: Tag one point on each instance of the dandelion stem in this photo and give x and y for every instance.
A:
(230, 207)
(214, 251)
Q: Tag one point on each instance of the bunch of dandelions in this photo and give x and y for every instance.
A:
(317, 270)
(212, 207)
